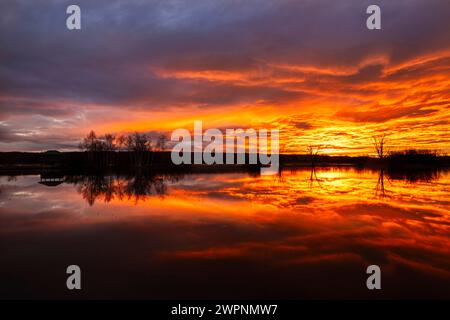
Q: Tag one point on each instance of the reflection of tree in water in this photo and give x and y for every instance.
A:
(380, 190)
(313, 178)
(140, 187)
(137, 187)
(415, 175)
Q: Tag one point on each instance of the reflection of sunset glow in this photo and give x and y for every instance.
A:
(300, 217)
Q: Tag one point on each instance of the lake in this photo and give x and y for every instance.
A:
(297, 235)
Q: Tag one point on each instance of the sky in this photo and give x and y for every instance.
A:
(308, 68)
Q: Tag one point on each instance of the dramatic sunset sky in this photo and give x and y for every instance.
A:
(309, 68)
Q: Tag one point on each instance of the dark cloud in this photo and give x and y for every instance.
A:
(5, 134)
(109, 60)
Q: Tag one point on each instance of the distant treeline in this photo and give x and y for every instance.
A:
(406, 158)
(139, 151)
(84, 159)
(106, 161)
(158, 159)
(413, 157)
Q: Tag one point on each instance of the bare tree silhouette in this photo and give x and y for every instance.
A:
(139, 146)
(121, 142)
(379, 143)
(91, 145)
(109, 147)
(109, 142)
(99, 149)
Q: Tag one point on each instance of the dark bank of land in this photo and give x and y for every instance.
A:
(401, 159)
(34, 162)
(13, 163)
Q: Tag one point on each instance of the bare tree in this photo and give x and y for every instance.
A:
(109, 142)
(139, 145)
(89, 143)
(138, 142)
(379, 144)
(101, 150)
(121, 142)
(109, 146)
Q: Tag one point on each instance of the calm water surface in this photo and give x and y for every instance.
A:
(302, 234)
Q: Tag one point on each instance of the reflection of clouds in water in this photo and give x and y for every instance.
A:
(25, 195)
(282, 224)
(409, 216)
(339, 186)
(136, 187)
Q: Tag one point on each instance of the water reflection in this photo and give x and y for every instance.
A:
(301, 234)
(139, 186)
(380, 190)
(136, 187)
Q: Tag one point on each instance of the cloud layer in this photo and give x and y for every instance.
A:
(310, 68)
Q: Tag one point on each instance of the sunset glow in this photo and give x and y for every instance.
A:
(312, 73)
